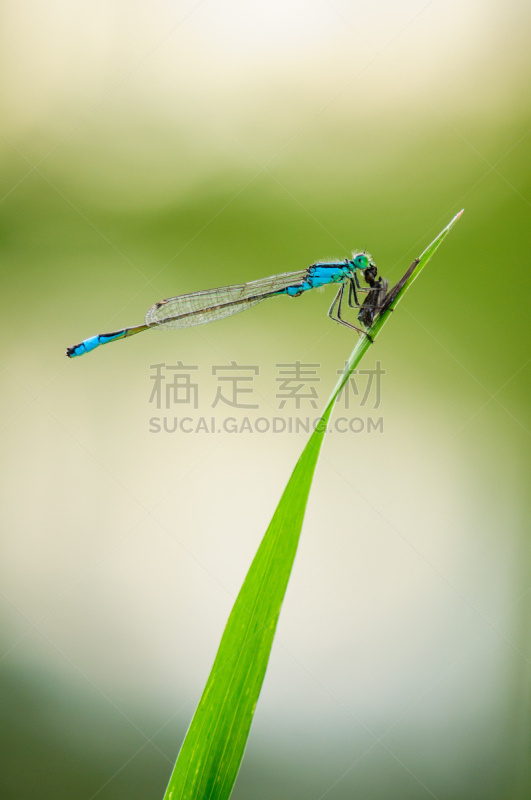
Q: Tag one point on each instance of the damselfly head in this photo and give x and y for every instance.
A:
(361, 261)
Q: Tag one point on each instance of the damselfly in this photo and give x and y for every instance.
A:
(199, 308)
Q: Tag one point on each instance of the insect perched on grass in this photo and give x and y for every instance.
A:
(375, 300)
(199, 308)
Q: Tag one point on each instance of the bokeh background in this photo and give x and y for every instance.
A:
(151, 149)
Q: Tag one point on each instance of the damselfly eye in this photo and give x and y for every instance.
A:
(361, 261)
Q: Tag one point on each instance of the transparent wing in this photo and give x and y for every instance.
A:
(198, 308)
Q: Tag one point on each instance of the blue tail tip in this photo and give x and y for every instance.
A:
(71, 351)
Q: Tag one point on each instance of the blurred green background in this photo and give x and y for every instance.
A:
(149, 150)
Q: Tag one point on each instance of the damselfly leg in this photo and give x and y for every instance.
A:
(338, 300)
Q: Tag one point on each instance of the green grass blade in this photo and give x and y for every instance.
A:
(212, 751)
